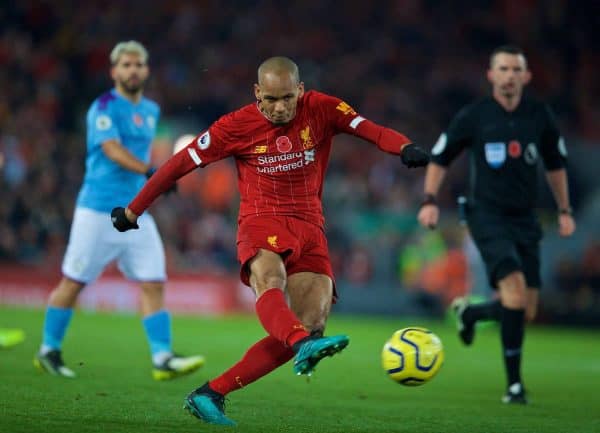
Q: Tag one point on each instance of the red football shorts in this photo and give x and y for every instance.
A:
(302, 245)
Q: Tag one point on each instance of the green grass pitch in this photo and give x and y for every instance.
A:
(349, 392)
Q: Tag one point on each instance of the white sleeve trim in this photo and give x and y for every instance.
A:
(440, 146)
(356, 121)
(562, 147)
(192, 152)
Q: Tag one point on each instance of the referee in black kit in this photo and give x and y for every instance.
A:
(506, 135)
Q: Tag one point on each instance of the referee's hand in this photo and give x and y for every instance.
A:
(566, 225)
(429, 215)
(120, 220)
(414, 156)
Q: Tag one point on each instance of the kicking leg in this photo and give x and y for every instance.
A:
(310, 298)
(268, 279)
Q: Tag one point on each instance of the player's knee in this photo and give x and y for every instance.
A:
(267, 280)
(69, 287)
(66, 293)
(513, 290)
(530, 313)
(154, 289)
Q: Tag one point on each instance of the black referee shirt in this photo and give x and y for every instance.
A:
(505, 148)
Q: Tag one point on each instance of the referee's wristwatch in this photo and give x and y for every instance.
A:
(566, 211)
(429, 199)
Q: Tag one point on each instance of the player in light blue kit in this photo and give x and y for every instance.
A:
(121, 125)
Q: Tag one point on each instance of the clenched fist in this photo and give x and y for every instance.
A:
(413, 156)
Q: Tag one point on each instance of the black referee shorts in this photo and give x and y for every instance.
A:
(507, 244)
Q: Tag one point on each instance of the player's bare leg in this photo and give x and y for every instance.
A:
(157, 324)
(267, 271)
(267, 275)
(268, 278)
(58, 316)
(533, 294)
(513, 295)
(310, 297)
(151, 297)
(66, 293)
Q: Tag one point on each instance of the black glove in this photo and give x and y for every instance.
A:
(120, 221)
(413, 156)
(172, 188)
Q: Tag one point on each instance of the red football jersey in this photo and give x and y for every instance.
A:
(281, 168)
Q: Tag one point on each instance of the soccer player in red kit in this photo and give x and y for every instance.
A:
(281, 145)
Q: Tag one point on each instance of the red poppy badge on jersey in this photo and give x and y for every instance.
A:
(283, 144)
(137, 119)
(514, 148)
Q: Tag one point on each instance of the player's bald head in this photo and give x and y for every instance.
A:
(278, 66)
(278, 89)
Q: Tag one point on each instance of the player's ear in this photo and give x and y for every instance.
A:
(490, 75)
(257, 92)
(301, 89)
(527, 77)
(113, 72)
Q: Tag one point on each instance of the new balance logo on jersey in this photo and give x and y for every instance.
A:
(260, 149)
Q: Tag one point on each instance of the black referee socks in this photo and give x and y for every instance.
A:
(512, 330)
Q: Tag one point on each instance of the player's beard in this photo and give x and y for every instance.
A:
(283, 121)
(276, 121)
(132, 87)
(280, 122)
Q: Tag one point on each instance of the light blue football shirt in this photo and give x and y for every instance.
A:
(112, 117)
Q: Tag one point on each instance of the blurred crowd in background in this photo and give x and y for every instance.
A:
(407, 64)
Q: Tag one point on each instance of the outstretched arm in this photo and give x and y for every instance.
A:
(390, 141)
(557, 180)
(162, 180)
(345, 119)
(177, 166)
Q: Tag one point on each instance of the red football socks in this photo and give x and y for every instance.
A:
(277, 318)
(262, 358)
